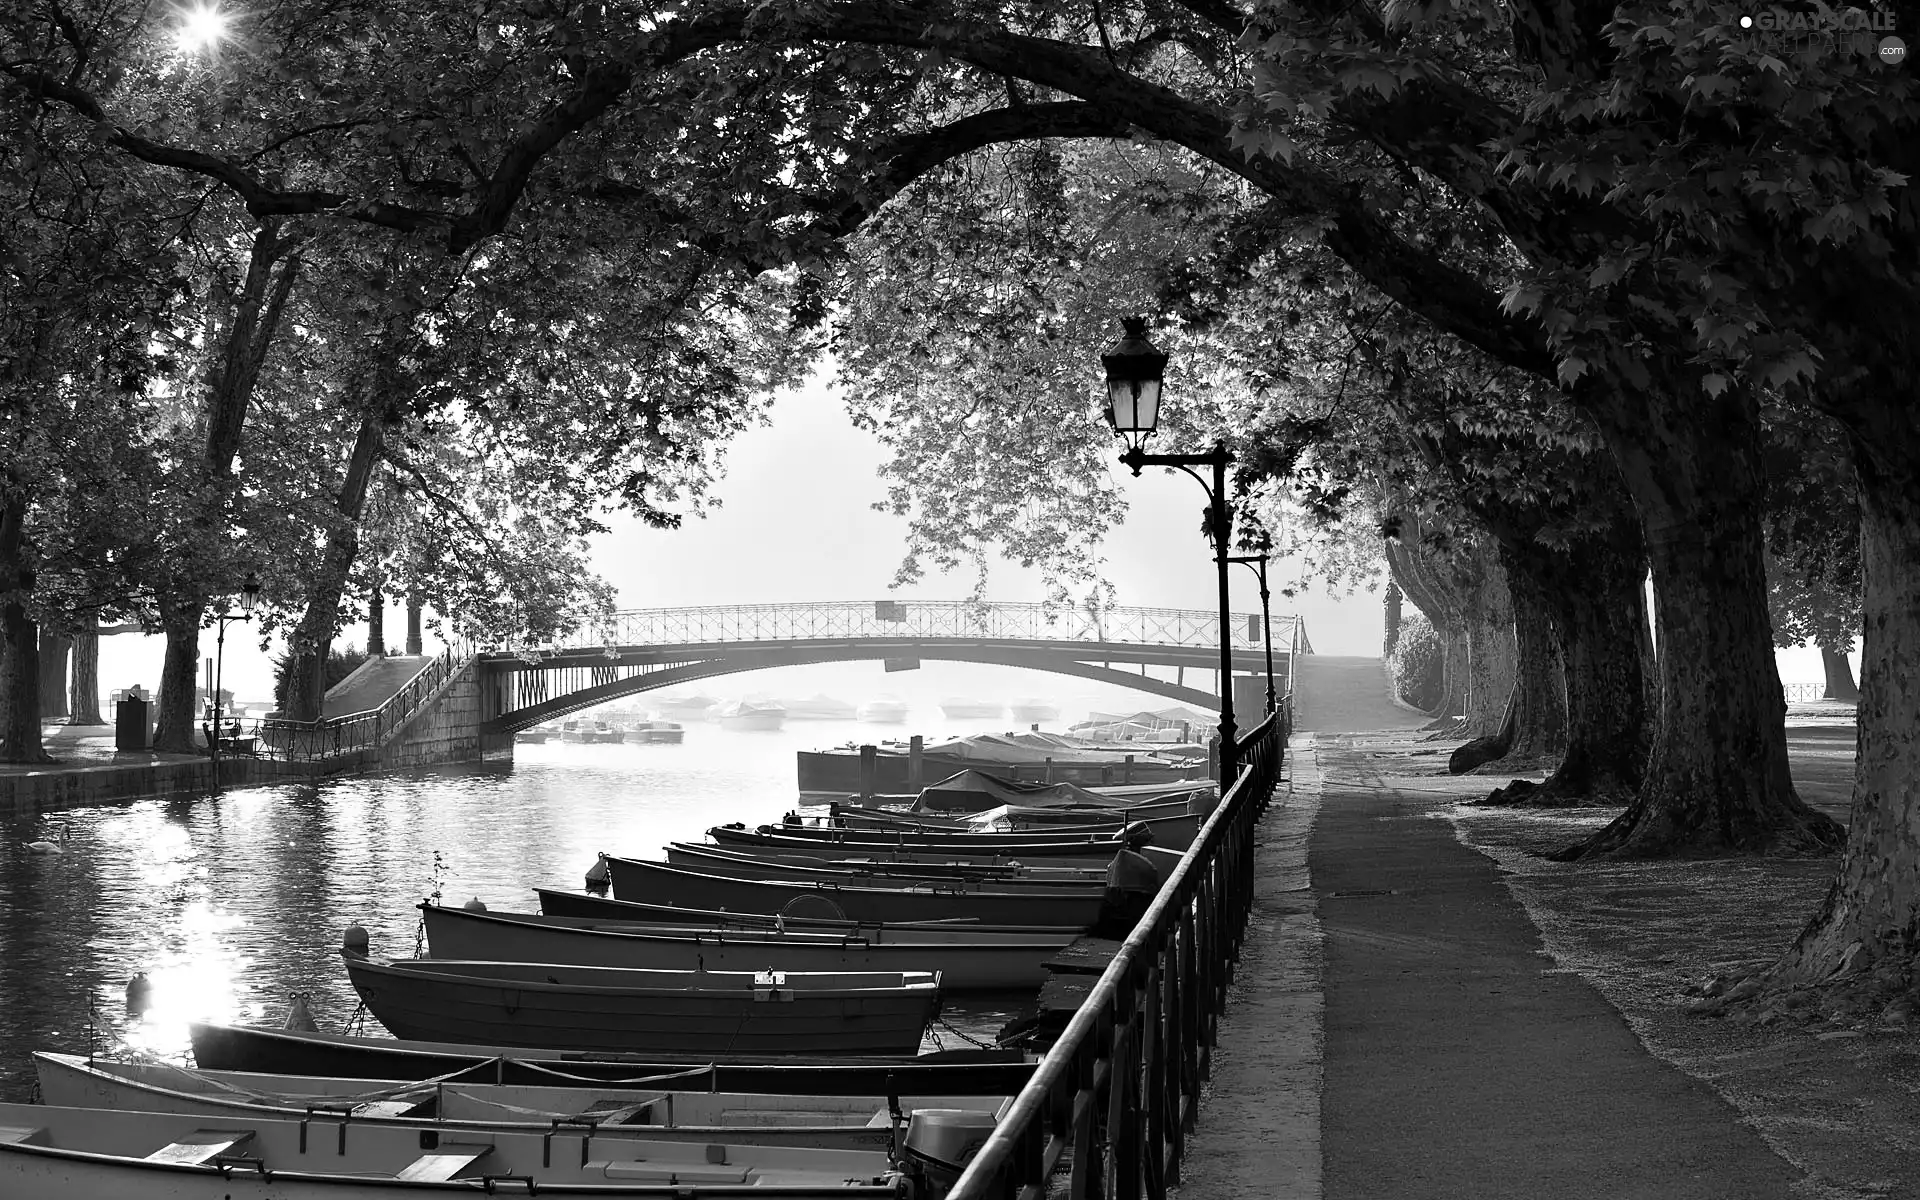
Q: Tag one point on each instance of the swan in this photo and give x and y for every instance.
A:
(53, 847)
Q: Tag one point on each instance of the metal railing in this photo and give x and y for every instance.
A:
(1113, 1100)
(914, 619)
(314, 743)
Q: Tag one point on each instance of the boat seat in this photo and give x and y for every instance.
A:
(202, 1145)
(671, 1173)
(447, 1162)
(620, 1112)
(23, 1135)
(394, 1108)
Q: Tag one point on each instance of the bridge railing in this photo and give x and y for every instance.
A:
(1115, 1097)
(313, 743)
(921, 619)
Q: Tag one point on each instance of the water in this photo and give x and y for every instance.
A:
(230, 905)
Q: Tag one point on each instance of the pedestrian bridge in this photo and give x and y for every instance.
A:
(648, 649)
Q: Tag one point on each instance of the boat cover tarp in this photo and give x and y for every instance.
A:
(972, 792)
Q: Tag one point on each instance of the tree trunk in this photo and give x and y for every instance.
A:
(53, 675)
(1871, 915)
(1600, 615)
(84, 703)
(1492, 658)
(376, 622)
(175, 715)
(414, 605)
(1393, 619)
(1717, 780)
(1540, 689)
(311, 639)
(19, 638)
(1840, 684)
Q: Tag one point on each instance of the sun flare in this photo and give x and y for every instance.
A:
(203, 28)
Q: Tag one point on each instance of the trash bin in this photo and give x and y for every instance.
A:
(132, 727)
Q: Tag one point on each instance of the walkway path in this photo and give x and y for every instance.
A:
(1396, 1031)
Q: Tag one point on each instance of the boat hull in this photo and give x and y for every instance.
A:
(54, 1153)
(556, 903)
(844, 1122)
(658, 883)
(569, 1006)
(992, 877)
(1002, 965)
(291, 1052)
(839, 771)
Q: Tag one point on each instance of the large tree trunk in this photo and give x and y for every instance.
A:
(1540, 689)
(1840, 684)
(84, 703)
(19, 638)
(1717, 779)
(1492, 658)
(175, 718)
(313, 637)
(1871, 916)
(1600, 615)
(53, 675)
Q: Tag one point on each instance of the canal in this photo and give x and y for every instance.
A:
(231, 904)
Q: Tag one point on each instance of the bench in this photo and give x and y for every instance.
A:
(202, 1146)
(447, 1162)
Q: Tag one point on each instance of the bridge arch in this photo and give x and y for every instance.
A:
(670, 647)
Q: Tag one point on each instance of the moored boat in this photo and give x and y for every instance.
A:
(49, 1152)
(581, 906)
(718, 860)
(449, 1109)
(629, 1010)
(819, 707)
(588, 731)
(531, 737)
(658, 883)
(884, 710)
(750, 714)
(296, 1052)
(966, 707)
(1031, 710)
(985, 962)
(656, 732)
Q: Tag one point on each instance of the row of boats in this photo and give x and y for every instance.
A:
(882, 710)
(590, 731)
(748, 1011)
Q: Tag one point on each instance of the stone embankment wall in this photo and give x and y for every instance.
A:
(446, 730)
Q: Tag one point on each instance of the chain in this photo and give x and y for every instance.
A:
(961, 1034)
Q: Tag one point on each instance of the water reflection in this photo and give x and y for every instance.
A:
(231, 905)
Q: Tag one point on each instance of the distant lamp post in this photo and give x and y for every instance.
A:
(1257, 563)
(249, 598)
(1135, 369)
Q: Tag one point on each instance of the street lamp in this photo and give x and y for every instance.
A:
(249, 596)
(1257, 563)
(1134, 369)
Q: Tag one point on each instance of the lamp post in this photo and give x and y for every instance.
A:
(1257, 563)
(1134, 374)
(249, 596)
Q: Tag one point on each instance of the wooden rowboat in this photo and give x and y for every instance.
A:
(930, 865)
(658, 883)
(1062, 843)
(294, 1052)
(737, 864)
(53, 1153)
(451, 1110)
(988, 962)
(634, 1011)
(580, 905)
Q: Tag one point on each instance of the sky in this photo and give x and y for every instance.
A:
(795, 523)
